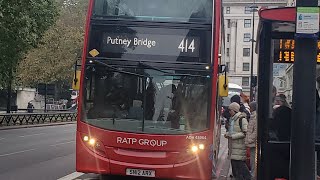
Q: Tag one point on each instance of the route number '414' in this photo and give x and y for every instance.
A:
(186, 45)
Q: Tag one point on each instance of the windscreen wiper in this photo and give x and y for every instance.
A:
(189, 75)
(118, 70)
(141, 64)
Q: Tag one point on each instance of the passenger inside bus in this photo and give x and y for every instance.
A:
(163, 102)
(99, 109)
(177, 103)
(111, 101)
(150, 99)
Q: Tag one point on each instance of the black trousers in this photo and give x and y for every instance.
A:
(240, 170)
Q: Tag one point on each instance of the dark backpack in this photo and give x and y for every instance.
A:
(240, 124)
(244, 110)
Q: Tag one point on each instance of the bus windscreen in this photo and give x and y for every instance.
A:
(124, 100)
(155, 10)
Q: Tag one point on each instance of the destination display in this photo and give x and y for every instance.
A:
(151, 44)
(154, 44)
(284, 51)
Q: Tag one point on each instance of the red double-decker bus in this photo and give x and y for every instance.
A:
(148, 89)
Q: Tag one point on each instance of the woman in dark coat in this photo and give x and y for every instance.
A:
(280, 131)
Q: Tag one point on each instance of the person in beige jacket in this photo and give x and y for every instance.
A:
(236, 136)
(251, 137)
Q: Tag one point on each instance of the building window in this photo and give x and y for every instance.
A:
(245, 81)
(228, 37)
(247, 23)
(228, 52)
(228, 23)
(246, 37)
(247, 10)
(228, 10)
(246, 52)
(245, 67)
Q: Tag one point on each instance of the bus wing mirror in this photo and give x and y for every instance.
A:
(223, 85)
(76, 81)
(223, 68)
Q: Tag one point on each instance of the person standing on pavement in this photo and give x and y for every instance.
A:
(245, 100)
(281, 100)
(30, 107)
(244, 112)
(243, 109)
(236, 136)
(251, 136)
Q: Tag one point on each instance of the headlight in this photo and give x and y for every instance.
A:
(86, 138)
(92, 142)
(194, 149)
(201, 146)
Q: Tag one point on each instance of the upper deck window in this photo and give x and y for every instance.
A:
(155, 10)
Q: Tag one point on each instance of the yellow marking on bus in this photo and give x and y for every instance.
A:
(94, 53)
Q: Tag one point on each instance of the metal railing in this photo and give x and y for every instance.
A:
(11, 119)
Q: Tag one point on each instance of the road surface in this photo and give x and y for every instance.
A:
(37, 153)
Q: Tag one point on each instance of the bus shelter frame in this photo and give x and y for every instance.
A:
(283, 18)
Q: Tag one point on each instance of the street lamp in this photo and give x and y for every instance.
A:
(253, 10)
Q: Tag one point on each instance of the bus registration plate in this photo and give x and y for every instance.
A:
(140, 172)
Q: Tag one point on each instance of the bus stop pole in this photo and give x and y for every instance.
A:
(302, 160)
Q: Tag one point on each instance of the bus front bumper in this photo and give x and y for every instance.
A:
(89, 162)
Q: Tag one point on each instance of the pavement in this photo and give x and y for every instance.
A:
(48, 153)
(224, 165)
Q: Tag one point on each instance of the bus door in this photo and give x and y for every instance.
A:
(275, 48)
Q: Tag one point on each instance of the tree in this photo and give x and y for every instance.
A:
(53, 60)
(22, 25)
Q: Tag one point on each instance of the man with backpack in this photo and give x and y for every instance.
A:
(236, 135)
(243, 110)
